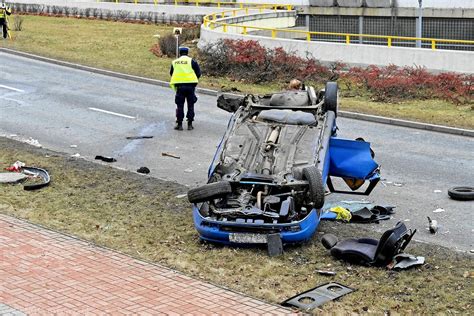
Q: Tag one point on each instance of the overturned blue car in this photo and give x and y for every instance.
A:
(273, 166)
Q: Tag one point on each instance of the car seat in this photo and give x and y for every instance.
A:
(369, 251)
(290, 98)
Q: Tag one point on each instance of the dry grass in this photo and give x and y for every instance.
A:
(124, 47)
(141, 216)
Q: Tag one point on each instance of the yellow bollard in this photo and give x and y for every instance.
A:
(348, 39)
(308, 37)
(433, 45)
(389, 41)
(274, 33)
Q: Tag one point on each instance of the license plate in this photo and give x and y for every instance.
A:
(245, 238)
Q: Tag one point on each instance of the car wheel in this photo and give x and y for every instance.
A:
(316, 187)
(462, 193)
(330, 97)
(209, 191)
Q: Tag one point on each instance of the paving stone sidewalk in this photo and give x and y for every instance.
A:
(45, 272)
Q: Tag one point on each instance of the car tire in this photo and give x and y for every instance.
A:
(209, 191)
(331, 97)
(316, 187)
(462, 193)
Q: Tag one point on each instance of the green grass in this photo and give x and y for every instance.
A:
(124, 47)
(143, 217)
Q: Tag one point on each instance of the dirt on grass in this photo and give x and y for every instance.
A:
(145, 218)
(125, 47)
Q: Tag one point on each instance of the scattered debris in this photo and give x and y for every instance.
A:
(144, 170)
(33, 142)
(106, 159)
(76, 155)
(373, 252)
(326, 272)
(170, 155)
(373, 215)
(405, 261)
(355, 202)
(36, 172)
(432, 225)
(12, 177)
(274, 245)
(139, 137)
(180, 196)
(13, 135)
(16, 167)
(73, 146)
(439, 210)
(461, 193)
(315, 297)
(341, 213)
(437, 191)
(188, 170)
(398, 184)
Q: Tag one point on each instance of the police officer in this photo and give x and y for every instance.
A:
(185, 73)
(4, 11)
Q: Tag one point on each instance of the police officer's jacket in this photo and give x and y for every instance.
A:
(184, 71)
(4, 12)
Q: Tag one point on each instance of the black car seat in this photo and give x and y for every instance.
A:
(370, 251)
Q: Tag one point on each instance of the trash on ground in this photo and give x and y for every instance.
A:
(373, 215)
(437, 191)
(12, 177)
(73, 146)
(76, 155)
(33, 142)
(37, 173)
(16, 167)
(432, 225)
(439, 210)
(315, 297)
(139, 137)
(355, 202)
(326, 272)
(341, 213)
(405, 261)
(188, 170)
(461, 193)
(368, 251)
(274, 245)
(144, 170)
(180, 196)
(170, 155)
(106, 159)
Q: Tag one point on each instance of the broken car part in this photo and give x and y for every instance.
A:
(36, 172)
(405, 261)
(313, 298)
(139, 137)
(106, 159)
(368, 251)
(461, 193)
(170, 155)
(144, 170)
(269, 172)
(326, 272)
(432, 225)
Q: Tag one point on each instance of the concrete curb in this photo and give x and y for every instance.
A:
(346, 114)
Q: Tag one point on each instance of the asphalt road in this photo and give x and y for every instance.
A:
(60, 107)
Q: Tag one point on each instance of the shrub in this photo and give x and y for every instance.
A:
(18, 23)
(167, 45)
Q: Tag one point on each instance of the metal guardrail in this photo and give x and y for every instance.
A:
(243, 8)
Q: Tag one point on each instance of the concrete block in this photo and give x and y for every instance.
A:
(378, 3)
(322, 3)
(350, 3)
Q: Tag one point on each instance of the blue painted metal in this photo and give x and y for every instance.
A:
(351, 159)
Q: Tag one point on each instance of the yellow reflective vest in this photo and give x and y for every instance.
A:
(183, 72)
(4, 12)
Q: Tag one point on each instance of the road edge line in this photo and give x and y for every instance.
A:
(345, 114)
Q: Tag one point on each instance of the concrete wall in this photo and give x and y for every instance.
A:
(354, 54)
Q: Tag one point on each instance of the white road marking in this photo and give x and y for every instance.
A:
(11, 88)
(112, 113)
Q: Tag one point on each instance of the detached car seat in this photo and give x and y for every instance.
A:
(369, 251)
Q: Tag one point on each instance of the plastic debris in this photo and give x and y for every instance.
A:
(405, 261)
(180, 196)
(16, 167)
(318, 296)
(341, 213)
(432, 225)
(76, 155)
(33, 142)
(188, 170)
(73, 146)
(106, 159)
(437, 191)
(170, 155)
(326, 272)
(139, 137)
(143, 170)
(438, 210)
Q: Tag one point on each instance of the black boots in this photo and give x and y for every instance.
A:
(179, 126)
(190, 125)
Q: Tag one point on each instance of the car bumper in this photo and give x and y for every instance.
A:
(226, 232)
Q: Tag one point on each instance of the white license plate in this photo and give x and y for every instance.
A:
(246, 238)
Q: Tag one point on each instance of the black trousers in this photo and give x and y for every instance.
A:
(185, 93)
(3, 23)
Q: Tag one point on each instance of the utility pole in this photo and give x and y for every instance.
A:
(419, 23)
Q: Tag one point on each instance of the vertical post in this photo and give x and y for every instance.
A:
(307, 21)
(419, 23)
(433, 44)
(155, 1)
(348, 39)
(308, 37)
(389, 41)
(244, 30)
(218, 4)
(224, 28)
(361, 29)
(175, 2)
(274, 33)
(197, 3)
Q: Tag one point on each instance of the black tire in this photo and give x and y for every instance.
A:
(462, 193)
(316, 187)
(209, 191)
(330, 97)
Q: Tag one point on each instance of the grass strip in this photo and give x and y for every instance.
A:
(143, 217)
(124, 47)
